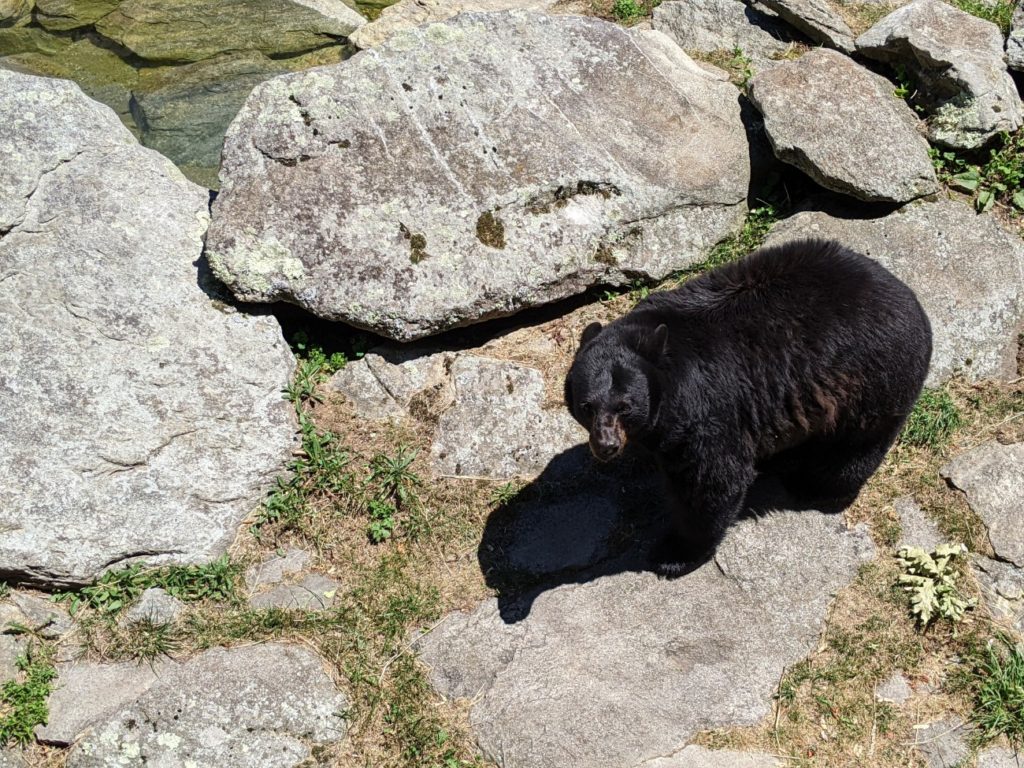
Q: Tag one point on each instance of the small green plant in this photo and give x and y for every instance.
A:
(115, 590)
(999, 178)
(627, 10)
(999, 691)
(930, 578)
(147, 640)
(393, 477)
(23, 704)
(933, 421)
(382, 520)
(504, 494)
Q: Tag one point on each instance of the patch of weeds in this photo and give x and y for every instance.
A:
(623, 11)
(505, 494)
(933, 421)
(627, 10)
(930, 578)
(737, 64)
(999, 691)
(999, 13)
(755, 229)
(147, 640)
(115, 590)
(395, 490)
(995, 179)
(23, 702)
(382, 520)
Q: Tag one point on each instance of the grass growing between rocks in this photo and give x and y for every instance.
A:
(23, 700)
(993, 178)
(999, 12)
(826, 713)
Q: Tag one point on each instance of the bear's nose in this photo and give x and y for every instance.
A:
(604, 451)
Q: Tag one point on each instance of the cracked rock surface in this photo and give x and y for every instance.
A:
(262, 705)
(141, 417)
(621, 669)
(533, 157)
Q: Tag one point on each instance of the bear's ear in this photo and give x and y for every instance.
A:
(652, 346)
(590, 332)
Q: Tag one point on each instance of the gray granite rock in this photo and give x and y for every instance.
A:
(918, 528)
(699, 757)
(498, 426)
(712, 26)
(154, 606)
(1000, 757)
(992, 476)
(12, 758)
(817, 20)
(64, 15)
(967, 271)
(958, 61)
(943, 744)
(172, 31)
(842, 125)
(259, 705)
(894, 690)
(406, 14)
(40, 615)
(537, 156)
(274, 569)
(87, 693)
(382, 385)
(315, 592)
(1015, 40)
(161, 407)
(626, 667)
(11, 649)
(15, 12)
(1002, 588)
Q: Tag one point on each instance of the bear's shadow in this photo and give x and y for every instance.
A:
(580, 520)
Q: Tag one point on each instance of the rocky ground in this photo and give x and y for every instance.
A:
(361, 529)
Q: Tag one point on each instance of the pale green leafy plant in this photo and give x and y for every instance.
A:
(930, 578)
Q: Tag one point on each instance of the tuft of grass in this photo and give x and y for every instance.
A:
(999, 13)
(146, 641)
(116, 590)
(735, 62)
(23, 703)
(627, 10)
(1000, 697)
(995, 179)
(933, 421)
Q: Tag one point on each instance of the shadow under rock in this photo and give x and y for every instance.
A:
(580, 520)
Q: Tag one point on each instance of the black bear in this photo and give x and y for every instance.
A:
(803, 360)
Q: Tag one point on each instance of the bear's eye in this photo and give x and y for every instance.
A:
(587, 409)
(623, 409)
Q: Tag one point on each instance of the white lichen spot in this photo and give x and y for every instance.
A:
(257, 264)
(169, 740)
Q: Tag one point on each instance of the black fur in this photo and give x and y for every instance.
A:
(803, 360)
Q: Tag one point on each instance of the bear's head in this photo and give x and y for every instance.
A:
(612, 387)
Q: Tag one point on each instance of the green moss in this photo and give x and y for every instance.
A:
(417, 244)
(490, 230)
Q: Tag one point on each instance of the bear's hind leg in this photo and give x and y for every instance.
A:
(830, 474)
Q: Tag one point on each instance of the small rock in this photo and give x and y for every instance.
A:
(918, 528)
(943, 744)
(967, 271)
(313, 593)
(712, 26)
(154, 606)
(958, 61)
(841, 124)
(85, 694)
(699, 757)
(895, 690)
(274, 569)
(817, 20)
(1000, 757)
(1002, 588)
(497, 426)
(992, 476)
(384, 382)
(413, 13)
(264, 705)
(43, 616)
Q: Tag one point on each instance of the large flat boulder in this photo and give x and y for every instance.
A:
(533, 157)
(841, 125)
(624, 668)
(817, 20)
(267, 705)
(175, 31)
(957, 60)
(967, 271)
(142, 417)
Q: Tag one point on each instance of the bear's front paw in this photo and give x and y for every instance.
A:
(668, 559)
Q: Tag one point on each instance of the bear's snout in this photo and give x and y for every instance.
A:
(607, 438)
